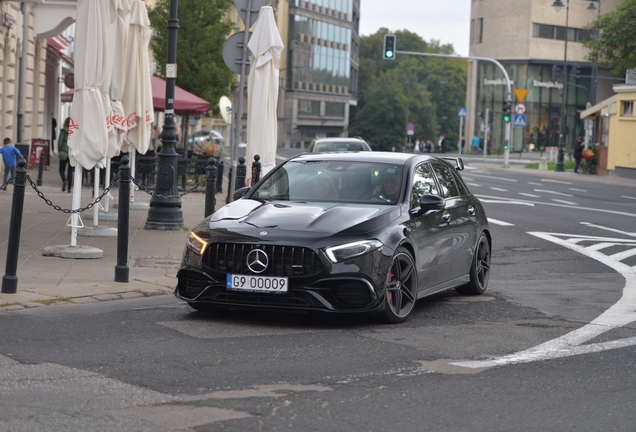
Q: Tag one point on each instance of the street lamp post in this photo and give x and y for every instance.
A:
(560, 166)
(592, 7)
(165, 212)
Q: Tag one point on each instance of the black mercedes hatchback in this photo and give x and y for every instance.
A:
(364, 232)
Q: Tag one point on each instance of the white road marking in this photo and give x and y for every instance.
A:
(529, 195)
(535, 184)
(493, 178)
(498, 222)
(577, 190)
(620, 314)
(552, 192)
(499, 189)
(503, 201)
(628, 197)
(609, 229)
(555, 181)
(564, 202)
(473, 184)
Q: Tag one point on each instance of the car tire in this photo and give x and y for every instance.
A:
(203, 307)
(479, 269)
(401, 288)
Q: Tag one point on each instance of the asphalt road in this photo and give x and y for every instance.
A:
(550, 346)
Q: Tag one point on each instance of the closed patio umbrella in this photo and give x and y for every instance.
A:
(265, 47)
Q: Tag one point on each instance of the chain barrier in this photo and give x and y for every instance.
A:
(152, 194)
(79, 210)
(4, 185)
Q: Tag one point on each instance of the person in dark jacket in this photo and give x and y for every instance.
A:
(66, 170)
(578, 152)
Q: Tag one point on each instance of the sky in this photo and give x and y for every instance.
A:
(446, 20)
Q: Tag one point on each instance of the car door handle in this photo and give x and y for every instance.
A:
(471, 210)
(446, 216)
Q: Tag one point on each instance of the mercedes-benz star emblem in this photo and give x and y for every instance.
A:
(257, 261)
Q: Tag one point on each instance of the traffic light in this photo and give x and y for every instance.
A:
(491, 116)
(389, 47)
(506, 108)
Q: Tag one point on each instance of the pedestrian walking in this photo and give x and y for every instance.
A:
(66, 170)
(441, 144)
(578, 153)
(417, 149)
(428, 147)
(10, 156)
(462, 144)
(475, 144)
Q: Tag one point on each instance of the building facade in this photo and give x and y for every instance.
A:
(528, 37)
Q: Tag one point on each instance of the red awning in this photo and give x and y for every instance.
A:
(183, 101)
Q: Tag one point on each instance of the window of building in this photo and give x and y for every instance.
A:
(547, 31)
(334, 109)
(308, 108)
(628, 108)
(476, 31)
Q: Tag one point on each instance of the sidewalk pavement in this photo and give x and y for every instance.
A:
(154, 256)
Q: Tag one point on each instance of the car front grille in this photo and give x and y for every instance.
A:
(283, 261)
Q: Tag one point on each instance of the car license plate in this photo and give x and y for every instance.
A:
(256, 283)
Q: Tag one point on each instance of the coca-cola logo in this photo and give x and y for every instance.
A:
(71, 126)
(131, 121)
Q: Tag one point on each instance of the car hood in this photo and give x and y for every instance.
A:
(324, 218)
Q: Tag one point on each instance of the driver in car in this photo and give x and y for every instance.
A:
(389, 190)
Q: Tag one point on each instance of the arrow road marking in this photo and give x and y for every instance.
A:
(620, 314)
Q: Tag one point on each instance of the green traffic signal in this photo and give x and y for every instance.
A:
(389, 47)
(506, 118)
(388, 54)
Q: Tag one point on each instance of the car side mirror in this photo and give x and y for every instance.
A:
(431, 202)
(239, 193)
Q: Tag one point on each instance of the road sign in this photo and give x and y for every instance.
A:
(241, 6)
(233, 53)
(521, 94)
(410, 127)
(520, 108)
(462, 112)
(520, 120)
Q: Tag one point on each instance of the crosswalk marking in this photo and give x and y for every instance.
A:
(556, 181)
(498, 222)
(628, 197)
(535, 184)
(529, 195)
(564, 202)
(577, 190)
(499, 189)
(552, 192)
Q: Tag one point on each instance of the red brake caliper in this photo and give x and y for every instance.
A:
(390, 293)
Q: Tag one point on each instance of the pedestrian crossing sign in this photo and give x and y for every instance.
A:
(520, 120)
(462, 112)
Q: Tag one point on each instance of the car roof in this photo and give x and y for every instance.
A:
(378, 157)
(340, 139)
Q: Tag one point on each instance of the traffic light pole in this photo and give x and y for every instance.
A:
(508, 94)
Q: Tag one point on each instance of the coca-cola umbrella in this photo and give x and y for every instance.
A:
(88, 133)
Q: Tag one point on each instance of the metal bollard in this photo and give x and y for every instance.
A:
(10, 279)
(210, 187)
(227, 199)
(256, 169)
(121, 269)
(219, 183)
(40, 169)
(241, 173)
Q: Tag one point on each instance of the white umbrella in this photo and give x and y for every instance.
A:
(265, 47)
(88, 133)
(137, 98)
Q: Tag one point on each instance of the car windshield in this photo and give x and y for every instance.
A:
(333, 181)
(339, 146)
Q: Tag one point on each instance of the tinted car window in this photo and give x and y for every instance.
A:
(423, 184)
(446, 180)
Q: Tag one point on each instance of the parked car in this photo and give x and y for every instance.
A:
(323, 145)
(367, 232)
(204, 135)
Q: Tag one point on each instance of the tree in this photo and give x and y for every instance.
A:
(425, 90)
(203, 29)
(615, 45)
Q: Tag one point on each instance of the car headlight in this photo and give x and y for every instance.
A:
(196, 243)
(350, 250)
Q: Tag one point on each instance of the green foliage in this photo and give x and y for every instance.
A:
(203, 28)
(425, 91)
(615, 46)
